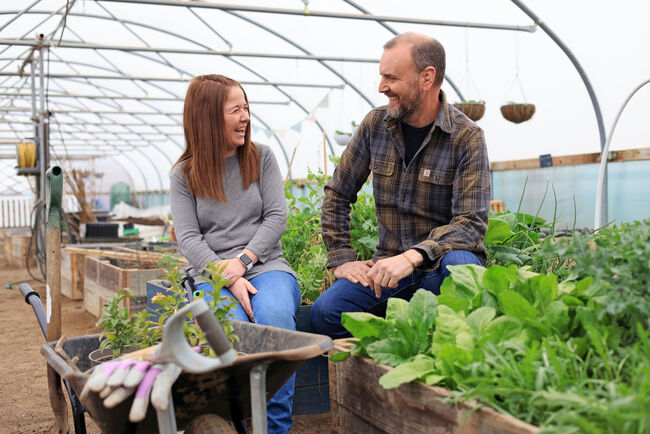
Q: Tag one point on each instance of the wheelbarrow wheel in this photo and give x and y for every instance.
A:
(209, 424)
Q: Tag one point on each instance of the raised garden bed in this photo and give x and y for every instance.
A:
(104, 277)
(360, 404)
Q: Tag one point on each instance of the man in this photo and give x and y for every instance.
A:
(431, 184)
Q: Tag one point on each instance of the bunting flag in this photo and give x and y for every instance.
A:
(325, 102)
(311, 117)
(297, 127)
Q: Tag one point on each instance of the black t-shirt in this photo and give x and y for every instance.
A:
(413, 137)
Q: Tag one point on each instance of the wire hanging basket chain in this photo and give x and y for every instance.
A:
(514, 111)
(472, 109)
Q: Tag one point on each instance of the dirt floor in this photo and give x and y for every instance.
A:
(24, 402)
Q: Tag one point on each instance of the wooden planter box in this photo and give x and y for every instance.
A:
(104, 277)
(6, 244)
(312, 378)
(73, 268)
(19, 245)
(497, 206)
(360, 404)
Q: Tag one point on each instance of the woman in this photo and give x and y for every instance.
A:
(228, 206)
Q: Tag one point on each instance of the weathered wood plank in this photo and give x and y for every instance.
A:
(637, 154)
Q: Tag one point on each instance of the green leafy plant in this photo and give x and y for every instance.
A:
(118, 331)
(302, 243)
(547, 352)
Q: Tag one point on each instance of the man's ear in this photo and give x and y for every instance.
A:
(428, 76)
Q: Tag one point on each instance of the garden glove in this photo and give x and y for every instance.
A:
(116, 380)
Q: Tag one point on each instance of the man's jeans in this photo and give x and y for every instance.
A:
(345, 296)
(275, 304)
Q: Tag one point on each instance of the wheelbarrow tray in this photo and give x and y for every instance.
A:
(225, 391)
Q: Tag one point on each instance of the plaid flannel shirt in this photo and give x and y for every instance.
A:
(438, 203)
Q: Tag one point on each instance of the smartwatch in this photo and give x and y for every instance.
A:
(245, 260)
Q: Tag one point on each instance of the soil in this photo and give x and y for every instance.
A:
(24, 401)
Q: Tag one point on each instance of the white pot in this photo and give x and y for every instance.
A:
(342, 139)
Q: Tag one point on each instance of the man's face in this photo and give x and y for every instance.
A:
(400, 82)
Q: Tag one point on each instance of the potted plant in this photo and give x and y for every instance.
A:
(517, 112)
(472, 109)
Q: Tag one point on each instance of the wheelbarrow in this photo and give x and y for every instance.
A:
(268, 357)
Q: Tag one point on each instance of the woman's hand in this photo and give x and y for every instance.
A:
(241, 288)
(234, 270)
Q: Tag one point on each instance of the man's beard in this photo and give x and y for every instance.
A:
(404, 111)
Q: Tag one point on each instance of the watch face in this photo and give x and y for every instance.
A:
(245, 259)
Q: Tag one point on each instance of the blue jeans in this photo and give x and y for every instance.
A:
(345, 296)
(275, 304)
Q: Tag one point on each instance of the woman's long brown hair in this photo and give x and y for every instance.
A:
(205, 149)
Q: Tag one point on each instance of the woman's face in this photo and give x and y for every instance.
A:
(236, 119)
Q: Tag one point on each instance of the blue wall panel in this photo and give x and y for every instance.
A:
(628, 192)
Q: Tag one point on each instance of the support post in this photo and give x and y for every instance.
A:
(54, 193)
(258, 398)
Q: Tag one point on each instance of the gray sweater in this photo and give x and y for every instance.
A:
(254, 218)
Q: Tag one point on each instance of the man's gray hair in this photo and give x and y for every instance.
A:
(426, 51)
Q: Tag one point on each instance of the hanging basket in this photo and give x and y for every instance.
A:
(518, 112)
(472, 109)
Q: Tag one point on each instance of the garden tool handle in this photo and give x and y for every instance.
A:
(213, 332)
(175, 348)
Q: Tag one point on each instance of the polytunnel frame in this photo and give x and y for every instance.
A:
(123, 23)
(378, 19)
(189, 5)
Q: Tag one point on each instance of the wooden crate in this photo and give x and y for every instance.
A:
(497, 206)
(360, 404)
(103, 278)
(19, 246)
(72, 274)
(6, 245)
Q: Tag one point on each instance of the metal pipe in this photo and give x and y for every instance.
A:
(340, 15)
(592, 95)
(598, 218)
(43, 143)
(107, 124)
(395, 32)
(19, 14)
(126, 48)
(137, 98)
(71, 131)
(33, 96)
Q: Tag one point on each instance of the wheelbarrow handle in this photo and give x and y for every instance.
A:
(32, 298)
